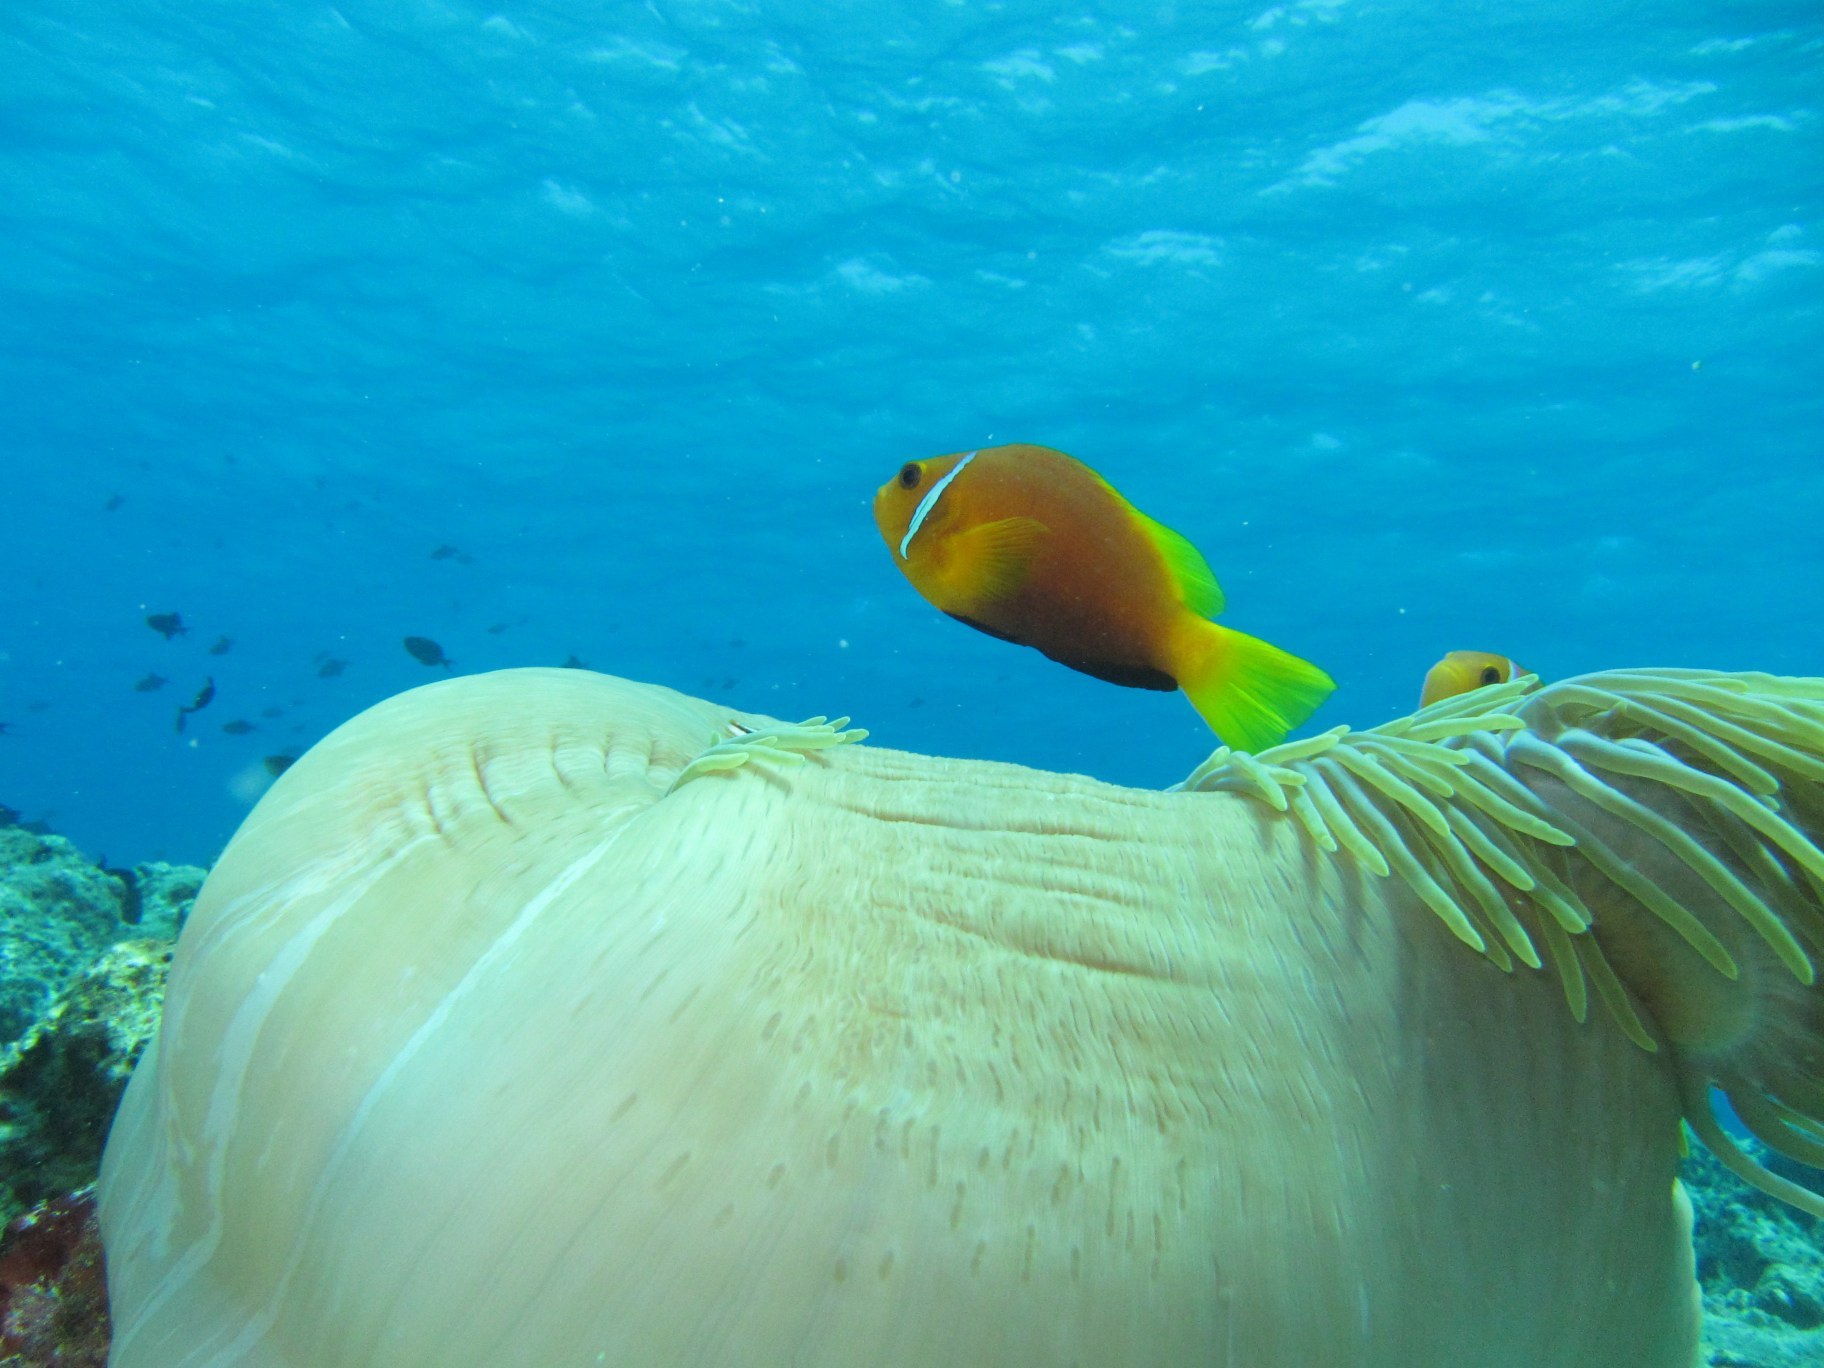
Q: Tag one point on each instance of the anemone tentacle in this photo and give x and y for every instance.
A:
(1502, 810)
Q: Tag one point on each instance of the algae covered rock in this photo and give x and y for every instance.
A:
(57, 912)
(62, 1080)
(83, 954)
(1761, 1264)
(53, 1292)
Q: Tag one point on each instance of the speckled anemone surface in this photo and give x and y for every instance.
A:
(546, 1018)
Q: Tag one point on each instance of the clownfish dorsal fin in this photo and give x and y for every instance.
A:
(991, 560)
(1190, 572)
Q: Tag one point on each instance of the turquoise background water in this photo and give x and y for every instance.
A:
(1435, 324)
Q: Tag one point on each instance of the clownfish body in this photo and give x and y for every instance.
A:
(1030, 545)
(1461, 671)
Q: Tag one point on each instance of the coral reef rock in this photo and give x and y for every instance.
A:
(53, 1293)
(1761, 1265)
(60, 1083)
(83, 954)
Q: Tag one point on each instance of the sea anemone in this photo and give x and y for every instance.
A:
(541, 1017)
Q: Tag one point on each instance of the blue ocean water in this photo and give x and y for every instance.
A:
(1435, 325)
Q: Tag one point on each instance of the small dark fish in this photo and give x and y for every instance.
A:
(497, 629)
(152, 683)
(574, 663)
(114, 502)
(167, 625)
(270, 713)
(278, 764)
(222, 646)
(329, 669)
(447, 552)
(239, 727)
(132, 900)
(427, 652)
(204, 697)
(6, 729)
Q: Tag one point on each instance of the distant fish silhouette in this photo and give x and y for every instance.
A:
(270, 713)
(204, 697)
(114, 502)
(427, 652)
(167, 625)
(278, 764)
(239, 727)
(574, 663)
(329, 669)
(497, 628)
(132, 899)
(152, 683)
(447, 552)
(222, 645)
(6, 729)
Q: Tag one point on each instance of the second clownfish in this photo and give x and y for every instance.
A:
(1463, 671)
(1030, 545)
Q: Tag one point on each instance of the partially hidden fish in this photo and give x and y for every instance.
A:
(1028, 544)
(167, 625)
(1461, 671)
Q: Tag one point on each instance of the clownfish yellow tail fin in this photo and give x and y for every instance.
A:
(1250, 692)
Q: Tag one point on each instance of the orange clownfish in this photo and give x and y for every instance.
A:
(1461, 671)
(1027, 544)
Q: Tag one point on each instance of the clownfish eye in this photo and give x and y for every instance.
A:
(909, 475)
(1491, 674)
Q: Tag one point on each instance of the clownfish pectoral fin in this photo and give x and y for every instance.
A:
(1250, 692)
(991, 560)
(1190, 572)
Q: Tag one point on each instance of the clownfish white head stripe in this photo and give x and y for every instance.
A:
(929, 502)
